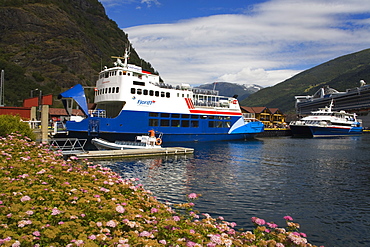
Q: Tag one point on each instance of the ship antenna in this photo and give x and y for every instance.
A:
(331, 105)
(126, 56)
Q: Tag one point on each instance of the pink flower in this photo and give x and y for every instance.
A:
(120, 209)
(25, 198)
(60, 223)
(99, 224)
(144, 234)
(258, 221)
(192, 196)
(154, 210)
(163, 241)
(111, 223)
(271, 225)
(36, 233)
(288, 218)
(176, 218)
(55, 211)
(93, 237)
(29, 212)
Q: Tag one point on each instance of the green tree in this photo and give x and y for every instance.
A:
(11, 124)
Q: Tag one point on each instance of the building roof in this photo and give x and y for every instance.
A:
(63, 112)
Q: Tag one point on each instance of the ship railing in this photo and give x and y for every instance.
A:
(210, 104)
(68, 146)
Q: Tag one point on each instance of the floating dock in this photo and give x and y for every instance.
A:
(129, 153)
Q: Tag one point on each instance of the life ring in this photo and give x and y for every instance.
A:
(158, 141)
(235, 101)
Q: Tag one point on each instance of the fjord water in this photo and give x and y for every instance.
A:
(324, 183)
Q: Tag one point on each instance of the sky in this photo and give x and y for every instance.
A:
(261, 42)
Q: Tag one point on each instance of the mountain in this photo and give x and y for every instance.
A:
(231, 89)
(340, 73)
(52, 45)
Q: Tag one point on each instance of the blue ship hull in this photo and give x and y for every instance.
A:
(314, 131)
(175, 127)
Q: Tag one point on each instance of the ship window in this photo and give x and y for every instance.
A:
(157, 93)
(165, 123)
(145, 91)
(166, 115)
(120, 73)
(151, 92)
(162, 94)
(113, 89)
(185, 115)
(167, 95)
(106, 90)
(176, 115)
(194, 116)
(194, 124)
(153, 122)
(211, 124)
(133, 90)
(185, 123)
(139, 83)
(153, 114)
(227, 124)
(106, 75)
(175, 123)
(110, 90)
(138, 91)
(117, 89)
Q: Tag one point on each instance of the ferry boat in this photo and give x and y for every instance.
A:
(327, 123)
(354, 100)
(130, 101)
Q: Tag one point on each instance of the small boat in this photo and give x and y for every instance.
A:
(141, 142)
(327, 123)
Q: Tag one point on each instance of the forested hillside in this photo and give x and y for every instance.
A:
(54, 44)
(340, 73)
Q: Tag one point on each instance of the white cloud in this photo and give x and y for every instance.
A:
(266, 45)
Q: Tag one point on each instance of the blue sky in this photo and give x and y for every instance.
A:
(241, 41)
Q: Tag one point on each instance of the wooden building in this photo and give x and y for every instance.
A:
(270, 117)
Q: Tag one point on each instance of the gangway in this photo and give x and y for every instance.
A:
(68, 146)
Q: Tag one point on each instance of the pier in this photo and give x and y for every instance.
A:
(129, 153)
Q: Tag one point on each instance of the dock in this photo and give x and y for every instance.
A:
(129, 153)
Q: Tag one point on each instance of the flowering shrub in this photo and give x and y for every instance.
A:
(48, 201)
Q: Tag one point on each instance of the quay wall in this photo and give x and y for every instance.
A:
(275, 132)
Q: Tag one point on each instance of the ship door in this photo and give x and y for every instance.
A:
(94, 125)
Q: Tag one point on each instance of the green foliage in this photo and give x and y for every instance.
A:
(12, 124)
(38, 76)
(65, 42)
(340, 73)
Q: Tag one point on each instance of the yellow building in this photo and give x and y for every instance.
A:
(270, 117)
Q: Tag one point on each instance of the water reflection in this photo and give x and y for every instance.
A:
(322, 183)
